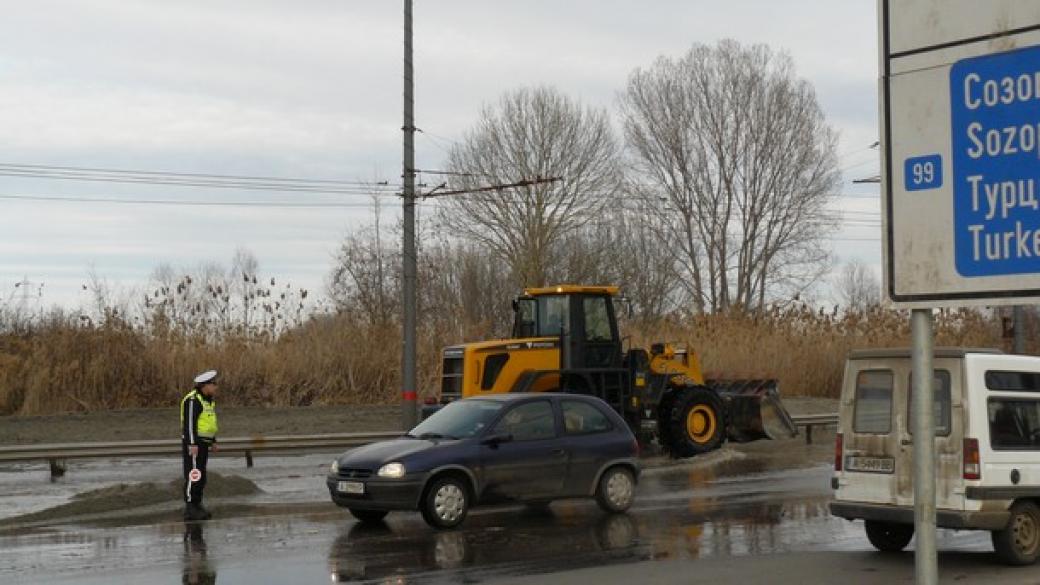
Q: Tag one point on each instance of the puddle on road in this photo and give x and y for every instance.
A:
(737, 506)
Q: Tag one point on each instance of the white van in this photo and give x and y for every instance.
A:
(987, 426)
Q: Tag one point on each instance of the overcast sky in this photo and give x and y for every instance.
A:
(312, 88)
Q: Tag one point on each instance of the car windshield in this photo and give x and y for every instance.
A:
(458, 420)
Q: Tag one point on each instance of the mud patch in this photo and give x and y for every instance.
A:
(123, 497)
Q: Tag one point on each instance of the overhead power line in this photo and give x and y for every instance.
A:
(487, 188)
(195, 175)
(180, 202)
(241, 182)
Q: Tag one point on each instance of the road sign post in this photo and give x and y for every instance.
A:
(960, 133)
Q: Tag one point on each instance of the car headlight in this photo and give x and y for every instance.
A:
(334, 468)
(392, 470)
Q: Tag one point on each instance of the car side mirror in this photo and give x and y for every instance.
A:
(497, 439)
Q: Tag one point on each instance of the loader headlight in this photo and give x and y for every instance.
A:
(391, 470)
(334, 468)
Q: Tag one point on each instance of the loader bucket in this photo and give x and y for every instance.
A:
(754, 410)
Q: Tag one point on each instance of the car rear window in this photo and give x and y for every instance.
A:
(1013, 381)
(1014, 425)
(873, 409)
(942, 406)
(582, 418)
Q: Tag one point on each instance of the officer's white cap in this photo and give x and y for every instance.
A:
(206, 377)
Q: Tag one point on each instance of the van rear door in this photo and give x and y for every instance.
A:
(870, 437)
(949, 434)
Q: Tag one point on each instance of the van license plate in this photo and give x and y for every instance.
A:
(350, 487)
(870, 464)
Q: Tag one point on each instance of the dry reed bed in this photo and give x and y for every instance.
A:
(62, 365)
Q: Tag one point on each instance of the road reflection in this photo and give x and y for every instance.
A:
(388, 554)
(197, 569)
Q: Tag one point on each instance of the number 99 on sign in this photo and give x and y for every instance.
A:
(923, 172)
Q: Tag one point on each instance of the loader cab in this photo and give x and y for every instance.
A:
(581, 316)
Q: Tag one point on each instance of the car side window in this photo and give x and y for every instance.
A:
(529, 422)
(582, 418)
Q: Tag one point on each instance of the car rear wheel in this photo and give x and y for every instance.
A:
(887, 536)
(446, 503)
(370, 516)
(1019, 542)
(616, 490)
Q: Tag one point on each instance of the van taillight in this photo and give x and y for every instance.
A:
(838, 446)
(972, 465)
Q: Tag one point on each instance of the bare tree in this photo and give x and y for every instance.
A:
(738, 149)
(857, 287)
(531, 133)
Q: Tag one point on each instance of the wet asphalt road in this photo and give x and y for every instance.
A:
(733, 520)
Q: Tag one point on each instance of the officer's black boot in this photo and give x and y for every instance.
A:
(194, 512)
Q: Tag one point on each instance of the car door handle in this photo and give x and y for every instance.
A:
(559, 452)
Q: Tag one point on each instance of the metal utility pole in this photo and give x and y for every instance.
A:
(408, 252)
(1018, 330)
(926, 561)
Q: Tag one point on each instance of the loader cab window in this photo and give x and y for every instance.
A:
(597, 319)
(553, 315)
(526, 317)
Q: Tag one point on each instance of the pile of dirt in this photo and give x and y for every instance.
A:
(123, 496)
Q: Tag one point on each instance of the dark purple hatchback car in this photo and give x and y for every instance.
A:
(531, 448)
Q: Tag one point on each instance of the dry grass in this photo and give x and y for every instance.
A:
(63, 364)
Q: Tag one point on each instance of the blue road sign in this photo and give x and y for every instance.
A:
(995, 102)
(923, 172)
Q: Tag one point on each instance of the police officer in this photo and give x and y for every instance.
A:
(198, 436)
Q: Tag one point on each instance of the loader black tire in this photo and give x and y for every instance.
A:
(696, 423)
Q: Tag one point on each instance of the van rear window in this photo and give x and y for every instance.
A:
(942, 405)
(873, 410)
(1014, 425)
(1013, 381)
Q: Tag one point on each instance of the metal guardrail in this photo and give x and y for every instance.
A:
(814, 420)
(58, 453)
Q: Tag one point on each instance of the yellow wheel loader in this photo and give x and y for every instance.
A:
(566, 338)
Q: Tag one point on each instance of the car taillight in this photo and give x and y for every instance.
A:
(838, 447)
(972, 464)
(430, 400)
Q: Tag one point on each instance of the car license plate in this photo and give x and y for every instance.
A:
(350, 487)
(871, 464)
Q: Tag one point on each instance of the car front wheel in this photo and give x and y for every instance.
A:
(616, 490)
(1019, 542)
(446, 503)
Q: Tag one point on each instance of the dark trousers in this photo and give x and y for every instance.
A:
(193, 489)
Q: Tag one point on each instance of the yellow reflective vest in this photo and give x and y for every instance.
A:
(207, 423)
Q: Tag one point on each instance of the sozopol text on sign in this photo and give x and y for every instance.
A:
(996, 146)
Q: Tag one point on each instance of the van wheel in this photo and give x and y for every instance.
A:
(370, 516)
(1019, 542)
(888, 536)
